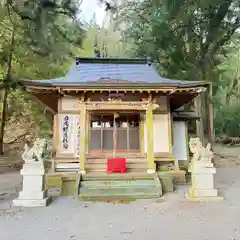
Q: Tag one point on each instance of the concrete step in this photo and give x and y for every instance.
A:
(105, 190)
(96, 176)
(126, 197)
(117, 184)
(103, 170)
(118, 193)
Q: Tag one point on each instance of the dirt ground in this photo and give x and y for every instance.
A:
(225, 150)
(171, 217)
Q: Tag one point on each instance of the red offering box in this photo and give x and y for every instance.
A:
(116, 165)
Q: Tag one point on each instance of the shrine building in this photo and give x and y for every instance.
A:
(110, 108)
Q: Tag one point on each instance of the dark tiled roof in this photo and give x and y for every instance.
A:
(112, 70)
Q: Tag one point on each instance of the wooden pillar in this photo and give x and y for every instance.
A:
(82, 138)
(210, 123)
(170, 128)
(141, 133)
(149, 123)
(187, 145)
(87, 131)
(54, 135)
(55, 140)
(115, 135)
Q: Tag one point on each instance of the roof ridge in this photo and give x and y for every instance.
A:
(112, 60)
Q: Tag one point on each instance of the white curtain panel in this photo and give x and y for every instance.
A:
(67, 133)
(180, 143)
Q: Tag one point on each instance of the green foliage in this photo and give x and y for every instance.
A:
(192, 40)
(106, 40)
(45, 23)
(229, 69)
(38, 40)
(44, 29)
(184, 37)
(227, 120)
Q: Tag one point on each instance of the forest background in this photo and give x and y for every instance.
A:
(188, 40)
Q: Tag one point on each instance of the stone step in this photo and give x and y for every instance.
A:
(166, 180)
(104, 189)
(118, 184)
(118, 193)
(128, 170)
(126, 197)
(94, 176)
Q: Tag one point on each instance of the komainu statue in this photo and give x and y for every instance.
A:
(35, 153)
(201, 155)
(202, 173)
(33, 192)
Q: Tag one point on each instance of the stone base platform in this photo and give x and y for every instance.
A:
(179, 176)
(32, 202)
(202, 199)
(203, 195)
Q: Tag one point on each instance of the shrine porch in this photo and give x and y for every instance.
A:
(93, 163)
(136, 162)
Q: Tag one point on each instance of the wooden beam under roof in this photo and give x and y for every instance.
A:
(50, 101)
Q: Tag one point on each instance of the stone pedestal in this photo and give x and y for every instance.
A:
(33, 193)
(203, 183)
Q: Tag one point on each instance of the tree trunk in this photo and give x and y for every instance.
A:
(199, 123)
(3, 120)
(230, 92)
(228, 96)
(199, 104)
(7, 84)
(210, 127)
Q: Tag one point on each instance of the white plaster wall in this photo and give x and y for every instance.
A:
(68, 103)
(160, 133)
(180, 140)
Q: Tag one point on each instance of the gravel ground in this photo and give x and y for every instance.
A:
(169, 218)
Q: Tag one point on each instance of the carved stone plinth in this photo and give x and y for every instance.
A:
(203, 184)
(202, 173)
(33, 193)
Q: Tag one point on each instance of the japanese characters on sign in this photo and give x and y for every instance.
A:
(77, 148)
(65, 128)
